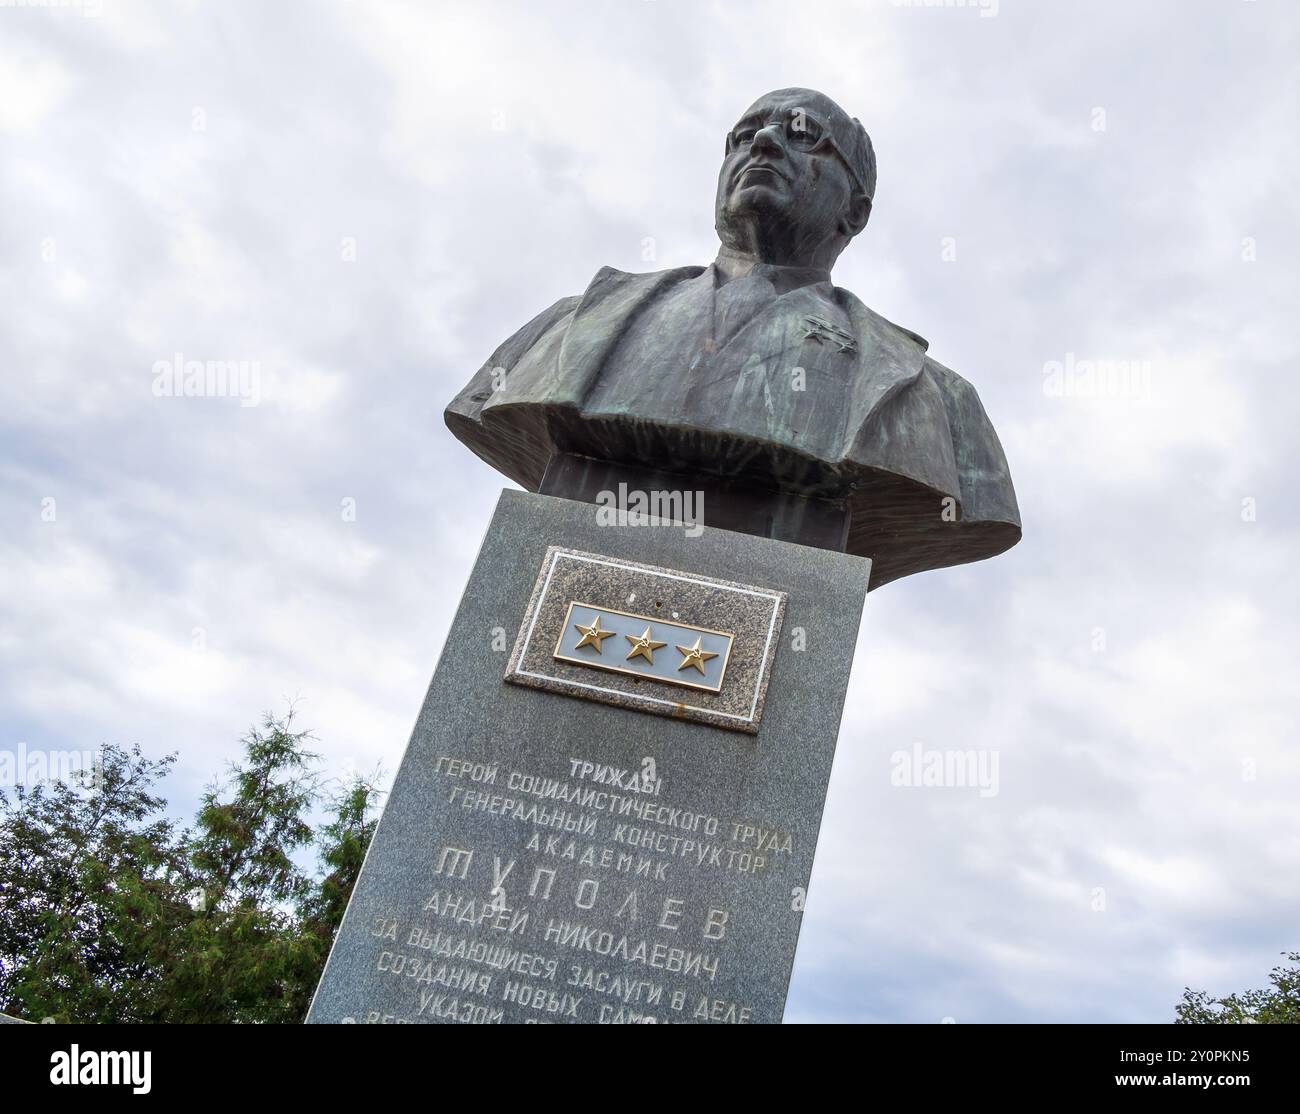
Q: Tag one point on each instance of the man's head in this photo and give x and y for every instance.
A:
(797, 180)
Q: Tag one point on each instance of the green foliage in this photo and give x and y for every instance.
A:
(1278, 1004)
(108, 913)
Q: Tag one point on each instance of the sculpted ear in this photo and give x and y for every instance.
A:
(855, 219)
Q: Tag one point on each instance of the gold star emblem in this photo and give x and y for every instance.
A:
(644, 646)
(592, 635)
(695, 656)
(826, 332)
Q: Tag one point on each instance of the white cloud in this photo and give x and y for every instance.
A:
(31, 88)
(483, 161)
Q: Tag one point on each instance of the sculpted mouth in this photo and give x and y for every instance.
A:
(762, 168)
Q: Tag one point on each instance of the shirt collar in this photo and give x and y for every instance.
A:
(729, 265)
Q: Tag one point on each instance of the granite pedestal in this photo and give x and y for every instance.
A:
(548, 857)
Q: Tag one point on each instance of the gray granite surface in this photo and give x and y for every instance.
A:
(548, 859)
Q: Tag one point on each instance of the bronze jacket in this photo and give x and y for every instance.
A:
(881, 429)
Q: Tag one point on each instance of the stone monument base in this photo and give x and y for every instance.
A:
(621, 835)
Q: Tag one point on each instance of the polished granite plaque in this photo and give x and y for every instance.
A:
(579, 620)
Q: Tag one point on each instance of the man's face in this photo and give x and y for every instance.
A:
(782, 178)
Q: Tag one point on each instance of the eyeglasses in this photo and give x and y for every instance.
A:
(801, 130)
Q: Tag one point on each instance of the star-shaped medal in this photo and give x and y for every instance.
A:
(592, 635)
(695, 656)
(644, 646)
(827, 332)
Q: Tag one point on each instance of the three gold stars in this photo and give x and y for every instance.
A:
(695, 656)
(644, 646)
(592, 635)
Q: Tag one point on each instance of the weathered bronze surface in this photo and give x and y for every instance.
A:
(798, 412)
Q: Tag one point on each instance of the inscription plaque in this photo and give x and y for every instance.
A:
(549, 859)
(576, 623)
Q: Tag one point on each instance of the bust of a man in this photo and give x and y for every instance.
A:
(793, 409)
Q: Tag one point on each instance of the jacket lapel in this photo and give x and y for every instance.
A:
(608, 307)
(889, 359)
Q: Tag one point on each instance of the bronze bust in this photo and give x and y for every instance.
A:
(798, 412)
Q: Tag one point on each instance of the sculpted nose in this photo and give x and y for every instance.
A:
(767, 141)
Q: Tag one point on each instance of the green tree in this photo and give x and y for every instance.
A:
(241, 956)
(108, 913)
(343, 844)
(88, 874)
(1278, 1004)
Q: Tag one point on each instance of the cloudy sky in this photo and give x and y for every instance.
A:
(365, 198)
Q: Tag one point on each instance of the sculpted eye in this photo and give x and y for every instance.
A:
(743, 136)
(803, 131)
